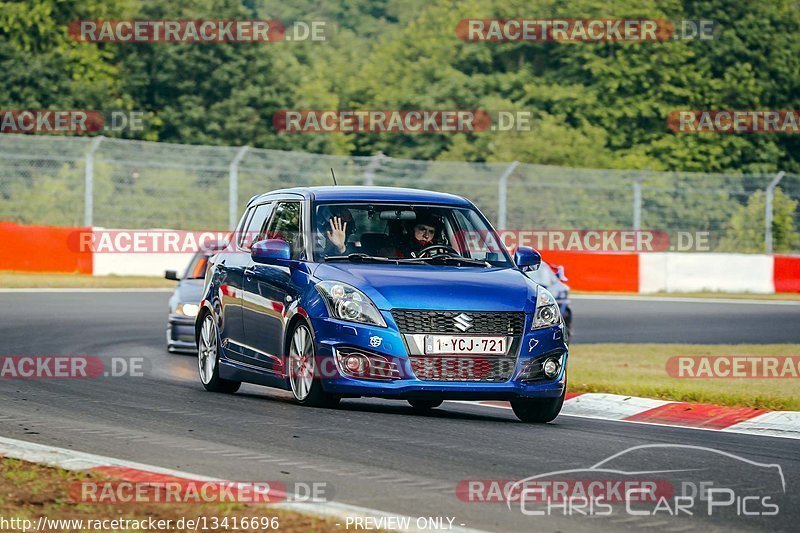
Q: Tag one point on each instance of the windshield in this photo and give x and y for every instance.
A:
(196, 269)
(433, 234)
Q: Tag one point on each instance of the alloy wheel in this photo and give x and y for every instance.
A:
(301, 363)
(207, 351)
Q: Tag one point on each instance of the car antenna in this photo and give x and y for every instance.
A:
(333, 176)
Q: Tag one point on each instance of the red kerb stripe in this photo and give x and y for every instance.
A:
(696, 415)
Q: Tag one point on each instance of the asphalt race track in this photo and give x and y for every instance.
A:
(684, 320)
(372, 453)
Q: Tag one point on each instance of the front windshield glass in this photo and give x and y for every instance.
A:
(197, 267)
(405, 231)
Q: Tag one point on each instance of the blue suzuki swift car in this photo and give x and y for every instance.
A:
(347, 292)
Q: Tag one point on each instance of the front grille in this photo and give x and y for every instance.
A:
(462, 368)
(413, 321)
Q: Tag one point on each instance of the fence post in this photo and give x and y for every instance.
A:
(88, 183)
(637, 203)
(233, 187)
(770, 195)
(374, 164)
(502, 194)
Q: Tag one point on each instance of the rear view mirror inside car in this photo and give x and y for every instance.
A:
(399, 214)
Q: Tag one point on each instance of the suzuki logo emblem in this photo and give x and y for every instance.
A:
(463, 322)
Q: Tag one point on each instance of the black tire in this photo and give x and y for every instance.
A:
(425, 405)
(538, 410)
(208, 359)
(314, 395)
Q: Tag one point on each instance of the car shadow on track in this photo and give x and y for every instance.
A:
(399, 407)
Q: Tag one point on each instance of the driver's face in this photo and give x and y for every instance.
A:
(423, 232)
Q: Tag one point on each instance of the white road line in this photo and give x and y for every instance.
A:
(685, 299)
(81, 289)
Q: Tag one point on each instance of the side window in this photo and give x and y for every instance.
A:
(471, 242)
(240, 233)
(285, 225)
(254, 231)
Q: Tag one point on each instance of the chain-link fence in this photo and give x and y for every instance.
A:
(113, 183)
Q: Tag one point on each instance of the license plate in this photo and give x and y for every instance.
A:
(451, 344)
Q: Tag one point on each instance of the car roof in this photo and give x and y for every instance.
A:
(367, 194)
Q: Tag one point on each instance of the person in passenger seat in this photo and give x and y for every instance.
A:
(339, 228)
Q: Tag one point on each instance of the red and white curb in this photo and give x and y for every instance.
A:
(785, 424)
(131, 471)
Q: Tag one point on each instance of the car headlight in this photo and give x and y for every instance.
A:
(547, 313)
(345, 302)
(188, 309)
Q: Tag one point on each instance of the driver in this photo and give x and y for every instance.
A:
(423, 234)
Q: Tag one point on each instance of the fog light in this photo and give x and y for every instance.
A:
(354, 364)
(551, 367)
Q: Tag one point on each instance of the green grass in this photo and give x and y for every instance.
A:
(29, 490)
(25, 280)
(640, 370)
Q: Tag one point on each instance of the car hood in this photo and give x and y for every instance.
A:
(436, 287)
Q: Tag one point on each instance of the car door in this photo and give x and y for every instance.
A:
(231, 288)
(269, 289)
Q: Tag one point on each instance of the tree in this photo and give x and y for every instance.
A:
(43, 68)
(746, 230)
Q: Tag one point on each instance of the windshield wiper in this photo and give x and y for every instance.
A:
(441, 259)
(452, 259)
(365, 258)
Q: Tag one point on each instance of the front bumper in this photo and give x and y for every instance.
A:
(333, 335)
(180, 333)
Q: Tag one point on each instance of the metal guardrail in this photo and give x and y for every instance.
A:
(69, 181)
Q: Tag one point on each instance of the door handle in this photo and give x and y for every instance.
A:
(248, 273)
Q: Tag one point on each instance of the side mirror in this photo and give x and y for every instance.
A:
(525, 256)
(171, 274)
(271, 252)
(560, 273)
